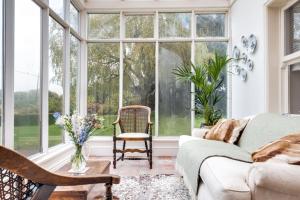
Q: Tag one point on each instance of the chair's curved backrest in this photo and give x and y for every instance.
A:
(134, 119)
(13, 186)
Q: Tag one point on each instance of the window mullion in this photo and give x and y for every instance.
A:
(83, 65)
(44, 80)
(121, 59)
(193, 30)
(156, 35)
(8, 73)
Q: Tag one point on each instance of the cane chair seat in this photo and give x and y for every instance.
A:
(133, 135)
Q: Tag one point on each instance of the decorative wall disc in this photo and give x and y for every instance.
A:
(243, 74)
(250, 64)
(236, 52)
(252, 43)
(244, 41)
(244, 58)
(236, 69)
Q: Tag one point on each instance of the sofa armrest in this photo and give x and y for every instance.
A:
(279, 177)
(186, 138)
(199, 132)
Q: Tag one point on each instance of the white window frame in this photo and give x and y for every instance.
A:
(156, 39)
(8, 69)
(286, 62)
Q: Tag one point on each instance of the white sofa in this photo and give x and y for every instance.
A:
(227, 179)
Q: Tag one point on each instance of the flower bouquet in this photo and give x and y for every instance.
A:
(79, 129)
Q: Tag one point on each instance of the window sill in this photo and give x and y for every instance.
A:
(55, 157)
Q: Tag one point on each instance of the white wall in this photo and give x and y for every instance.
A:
(248, 98)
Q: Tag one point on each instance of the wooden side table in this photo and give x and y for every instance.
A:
(80, 192)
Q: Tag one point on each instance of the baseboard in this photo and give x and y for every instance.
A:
(161, 146)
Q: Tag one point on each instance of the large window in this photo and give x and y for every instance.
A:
(174, 96)
(139, 75)
(175, 25)
(56, 77)
(74, 17)
(103, 26)
(204, 51)
(103, 82)
(27, 77)
(292, 29)
(74, 73)
(39, 71)
(139, 26)
(149, 54)
(210, 25)
(58, 6)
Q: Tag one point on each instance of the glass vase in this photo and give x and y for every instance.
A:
(78, 160)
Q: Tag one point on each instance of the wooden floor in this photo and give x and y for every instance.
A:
(161, 165)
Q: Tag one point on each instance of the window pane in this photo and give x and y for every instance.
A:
(294, 84)
(175, 24)
(139, 75)
(104, 26)
(74, 69)
(1, 68)
(74, 17)
(210, 25)
(204, 51)
(27, 77)
(103, 83)
(56, 92)
(292, 29)
(57, 6)
(139, 26)
(174, 96)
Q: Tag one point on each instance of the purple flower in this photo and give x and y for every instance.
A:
(56, 115)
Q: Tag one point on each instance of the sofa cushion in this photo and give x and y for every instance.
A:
(266, 128)
(226, 178)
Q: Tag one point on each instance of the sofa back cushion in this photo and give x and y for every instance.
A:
(266, 128)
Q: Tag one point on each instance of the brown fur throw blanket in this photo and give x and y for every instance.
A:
(286, 149)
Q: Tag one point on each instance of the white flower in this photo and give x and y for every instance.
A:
(60, 121)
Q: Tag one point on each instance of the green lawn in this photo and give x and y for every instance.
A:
(27, 138)
(198, 120)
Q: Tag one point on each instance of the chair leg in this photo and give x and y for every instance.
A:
(150, 152)
(124, 144)
(115, 152)
(146, 145)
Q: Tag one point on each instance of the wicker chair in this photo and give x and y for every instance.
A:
(21, 179)
(135, 125)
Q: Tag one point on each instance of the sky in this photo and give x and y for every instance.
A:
(27, 45)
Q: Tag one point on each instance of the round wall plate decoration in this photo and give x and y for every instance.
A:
(243, 74)
(236, 69)
(236, 52)
(252, 43)
(250, 64)
(244, 58)
(244, 41)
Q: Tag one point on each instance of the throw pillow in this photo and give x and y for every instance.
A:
(227, 130)
(238, 129)
(286, 149)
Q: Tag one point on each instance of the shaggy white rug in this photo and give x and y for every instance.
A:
(149, 187)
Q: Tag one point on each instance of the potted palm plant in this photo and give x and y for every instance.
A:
(208, 79)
